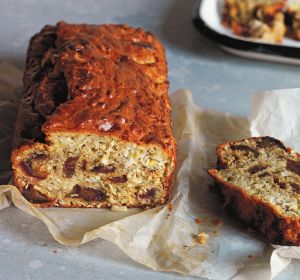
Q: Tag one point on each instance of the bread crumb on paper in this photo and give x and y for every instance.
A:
(170, 207)
(202, 238)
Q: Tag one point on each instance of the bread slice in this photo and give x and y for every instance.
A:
(260, 181)
(94, 123)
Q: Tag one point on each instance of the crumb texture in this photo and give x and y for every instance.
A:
(260, 180)
(94, 126)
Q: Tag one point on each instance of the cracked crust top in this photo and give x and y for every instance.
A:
(105, 80)
(94, 123)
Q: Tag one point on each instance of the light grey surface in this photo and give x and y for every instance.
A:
(217, 80)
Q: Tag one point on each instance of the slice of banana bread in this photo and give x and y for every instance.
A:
(260, 181)
(94, 123)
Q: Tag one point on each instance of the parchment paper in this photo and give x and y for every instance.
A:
(165, 238)
(276, 113)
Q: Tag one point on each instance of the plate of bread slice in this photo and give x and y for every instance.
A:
(260, 29)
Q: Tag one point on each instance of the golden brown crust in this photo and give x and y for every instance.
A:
(123, 65)
(102, 80)
(254, 211)
(116, 79)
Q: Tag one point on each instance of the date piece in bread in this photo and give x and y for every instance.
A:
(94, 126)
(260, 181)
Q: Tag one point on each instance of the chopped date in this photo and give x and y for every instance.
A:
(256, 168)
(29, 171)
(69, 166)
(270, 142)
(40, 157)
(121, 179)
(282, 185)
(104, 169)
(148, 194)
(236, 158)
(295, 187)
(221, 164)
(243, 148)
(264, 174)
(89, 194)
(26, 168)
(83, 165)
(34, 196)
(293, 166)
(276, 180)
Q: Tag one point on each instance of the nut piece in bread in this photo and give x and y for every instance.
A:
(94, 124)
(260, 181)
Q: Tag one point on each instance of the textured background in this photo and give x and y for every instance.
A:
(217, 80)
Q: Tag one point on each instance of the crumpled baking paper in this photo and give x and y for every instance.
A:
(166, 238)
(276, 113)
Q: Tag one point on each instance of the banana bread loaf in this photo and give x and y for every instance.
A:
(94, 126)
(260, 181)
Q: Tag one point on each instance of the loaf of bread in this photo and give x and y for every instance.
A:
(260, 181)
(257, 19)
(94, 123)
